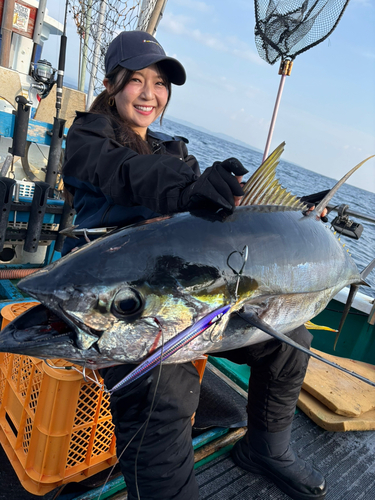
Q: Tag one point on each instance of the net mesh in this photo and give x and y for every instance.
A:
(117, 16)
(286, 28)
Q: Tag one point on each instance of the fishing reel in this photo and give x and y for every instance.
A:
(343, 225)
(44, 75)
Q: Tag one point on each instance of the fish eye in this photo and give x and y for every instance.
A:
(127, 303)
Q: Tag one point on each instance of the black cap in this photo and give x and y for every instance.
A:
(136, 50)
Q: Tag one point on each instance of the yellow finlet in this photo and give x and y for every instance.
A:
(313, 326)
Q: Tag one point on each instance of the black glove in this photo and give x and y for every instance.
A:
(215, 188)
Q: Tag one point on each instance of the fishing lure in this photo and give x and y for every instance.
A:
(172, 346)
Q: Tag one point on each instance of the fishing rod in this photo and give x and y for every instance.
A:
(58, 124)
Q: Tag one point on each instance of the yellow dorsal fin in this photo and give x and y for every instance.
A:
(263, 188)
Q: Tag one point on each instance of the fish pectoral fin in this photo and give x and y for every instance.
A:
(253, 319)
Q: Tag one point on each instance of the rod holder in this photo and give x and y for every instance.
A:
(66, 220)
(20, 127)
(6, 191)
(37, 212)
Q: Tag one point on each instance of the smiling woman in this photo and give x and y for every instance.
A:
(142, 99)
(120, 172)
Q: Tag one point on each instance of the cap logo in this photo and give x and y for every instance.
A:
(152, 41)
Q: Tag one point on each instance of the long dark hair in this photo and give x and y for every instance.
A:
(125, 135)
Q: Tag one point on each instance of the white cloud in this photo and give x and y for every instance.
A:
(194, 70)
(175, 24)
(368, 55)
(179, 25)
(195, 5)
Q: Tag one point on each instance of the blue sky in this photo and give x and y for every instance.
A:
(327, 111)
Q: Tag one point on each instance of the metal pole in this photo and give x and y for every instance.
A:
(79, 61)
(39, 21)
(38, 27)
(284, 71)
(156, 15)
(6, 32)
(94, 66)
(274, 116)
(81, 86)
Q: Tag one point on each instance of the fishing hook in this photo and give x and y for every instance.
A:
(244, 255)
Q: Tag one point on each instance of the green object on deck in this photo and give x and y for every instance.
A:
(357, 339)
(238, 373)
(111, 488)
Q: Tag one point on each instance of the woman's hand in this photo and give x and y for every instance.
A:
(217, 188)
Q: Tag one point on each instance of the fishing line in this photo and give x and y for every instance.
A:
(151, 410)
(351, 313)
(118, 460)
(144, 425)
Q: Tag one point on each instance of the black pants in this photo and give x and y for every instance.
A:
(161, 461)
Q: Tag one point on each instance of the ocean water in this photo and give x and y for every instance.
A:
(208, 148)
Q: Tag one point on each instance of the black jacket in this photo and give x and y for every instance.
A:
(112, 185)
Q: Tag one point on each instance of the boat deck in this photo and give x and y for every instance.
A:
(347, 460)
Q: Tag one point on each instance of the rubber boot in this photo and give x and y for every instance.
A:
(269, 454)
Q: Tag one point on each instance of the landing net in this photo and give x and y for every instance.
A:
(286, 28)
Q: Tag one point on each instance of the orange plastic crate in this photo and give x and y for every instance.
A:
(54, 426)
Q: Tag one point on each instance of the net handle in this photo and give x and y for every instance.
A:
(284, 70)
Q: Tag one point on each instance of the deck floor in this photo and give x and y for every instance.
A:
(347, 460)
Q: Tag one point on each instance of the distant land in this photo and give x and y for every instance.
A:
(215, 134)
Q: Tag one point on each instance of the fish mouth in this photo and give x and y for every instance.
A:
(41, 333)
(37, 326)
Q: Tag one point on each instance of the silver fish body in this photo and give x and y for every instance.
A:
(123, 295)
